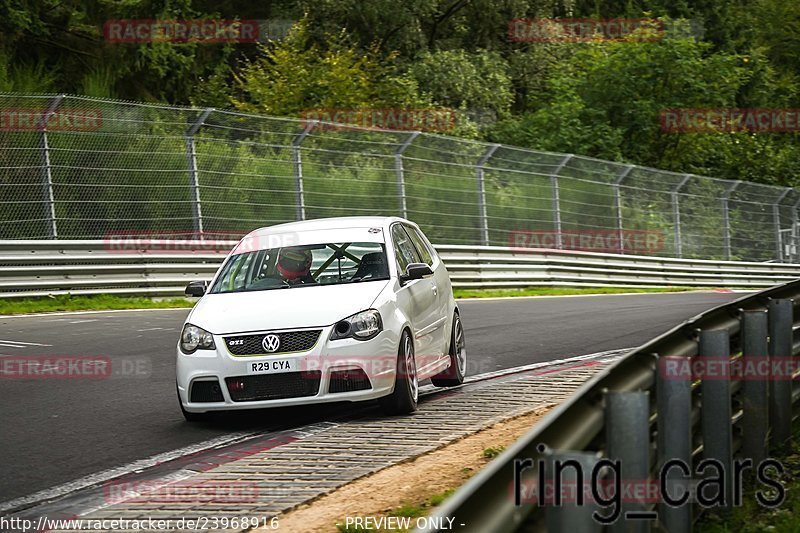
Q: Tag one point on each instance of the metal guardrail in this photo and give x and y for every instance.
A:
(637, 413)
(164, 268)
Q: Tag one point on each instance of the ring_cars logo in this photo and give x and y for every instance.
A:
(271, 343)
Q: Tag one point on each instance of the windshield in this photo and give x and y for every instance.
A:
(300, 266)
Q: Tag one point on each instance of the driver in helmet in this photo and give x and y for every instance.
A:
(294, 266)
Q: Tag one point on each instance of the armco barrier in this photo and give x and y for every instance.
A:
(164, 268)
(651, 418)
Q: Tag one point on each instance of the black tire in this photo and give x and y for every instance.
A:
(454, 374)
(192, 417)
(403, 400)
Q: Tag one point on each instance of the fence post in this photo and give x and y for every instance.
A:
(628, 441)
(674, 402)
(400, 173)
(776, 219)
(479, 174)
(676, 213)
(47, 175)
(194, 178)
(795, 236)
(297, 163)
(726, 220)
(716, 412)
(571, 469)
(556, 201)
(755, 391)
(618, 204)
(780, 354)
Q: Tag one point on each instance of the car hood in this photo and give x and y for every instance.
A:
(298, 307)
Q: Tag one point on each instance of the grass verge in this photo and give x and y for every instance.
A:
(565, 291)
(100, 302)
(751, 517)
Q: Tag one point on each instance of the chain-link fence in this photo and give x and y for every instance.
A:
(103, 167)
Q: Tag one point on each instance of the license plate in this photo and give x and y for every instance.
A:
(270, 367)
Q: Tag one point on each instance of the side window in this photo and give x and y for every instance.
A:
(236, 276)
(420, 244)
(403, 248)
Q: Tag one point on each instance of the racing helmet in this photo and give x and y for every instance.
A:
(294, 263)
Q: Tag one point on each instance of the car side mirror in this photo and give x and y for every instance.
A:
(196, 288)
(417, 271)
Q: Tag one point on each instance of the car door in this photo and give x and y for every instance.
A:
(441, 287)
(418, 299)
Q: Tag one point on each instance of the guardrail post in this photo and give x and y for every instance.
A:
(776, 220)
(780, 355)
(47, 175)
(570, 469)
(676, 213)
(479, 175)
(618, 204)
(628, 441)
(714, 351)
(556, 200)
(297, 163)
(194, 178)
(400, 173)
(755, 391)
(674, 402)
(726, 220)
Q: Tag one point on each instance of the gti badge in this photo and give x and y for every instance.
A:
(271, 343)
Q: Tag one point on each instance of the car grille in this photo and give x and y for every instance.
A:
(348, 381)
(205, 392)
(273, 386)
(291, 341)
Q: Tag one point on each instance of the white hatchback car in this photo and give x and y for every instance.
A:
(326, 310)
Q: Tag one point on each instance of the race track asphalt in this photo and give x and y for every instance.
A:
(55, 431)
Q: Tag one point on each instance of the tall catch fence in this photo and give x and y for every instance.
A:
(85, 168)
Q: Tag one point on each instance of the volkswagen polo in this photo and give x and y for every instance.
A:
(327, 310)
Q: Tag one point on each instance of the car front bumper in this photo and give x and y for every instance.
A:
(376, 358)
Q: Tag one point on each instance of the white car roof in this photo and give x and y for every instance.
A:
(316, 231)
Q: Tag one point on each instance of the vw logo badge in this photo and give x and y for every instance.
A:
(271, 343)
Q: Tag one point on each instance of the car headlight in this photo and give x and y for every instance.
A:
(193, 338)
(361, 326)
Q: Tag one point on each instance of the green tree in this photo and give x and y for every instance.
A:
(296, 75)
(606, 101)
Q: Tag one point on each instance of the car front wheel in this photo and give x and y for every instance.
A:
(454, 375)
(403, 400)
